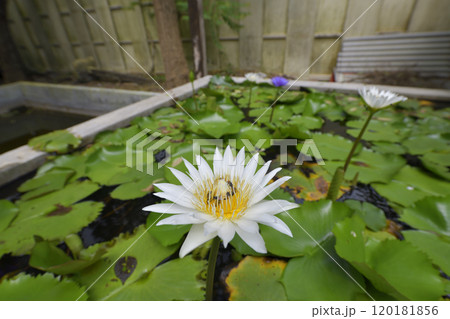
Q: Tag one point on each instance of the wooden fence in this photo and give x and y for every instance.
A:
(277, 36)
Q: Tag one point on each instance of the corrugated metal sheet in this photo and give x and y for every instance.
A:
(426, 53)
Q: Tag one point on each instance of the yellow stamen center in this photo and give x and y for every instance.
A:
(223, 198)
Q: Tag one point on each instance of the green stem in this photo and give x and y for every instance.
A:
(250, 96)
(193, 96)
(356, 142)
(211, 268)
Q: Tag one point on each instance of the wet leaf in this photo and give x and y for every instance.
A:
(411, 184)
(257, 278)
(384, 262)
(373, 216)
(57, 141)
(124, 267)
(43, 287)
(7, 213)
(312, 219)
(147, 251)
(431, 213)
(175, 280)
(436, 247)
(214, 125)
(310, 277)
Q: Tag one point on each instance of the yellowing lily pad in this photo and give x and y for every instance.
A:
(257, 278)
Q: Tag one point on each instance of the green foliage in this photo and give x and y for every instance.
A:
(257, 278)
(57, 141)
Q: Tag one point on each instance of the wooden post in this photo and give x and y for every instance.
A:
(197, 27)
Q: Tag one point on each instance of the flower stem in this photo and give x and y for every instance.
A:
(211, 268)
(356, 142)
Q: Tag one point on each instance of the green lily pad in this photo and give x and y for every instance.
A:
(75, 162)
(8, 211)
(56, 225)
(257, 278)
(437, 163)
(53, 179)
(388, 148)
(175, 280)
(378, 131)
(138, 188)
(256, 136)
(418, 145)
(332, 147)
(411, 184)
(308, 122)
(45, 204)
(312, 219)
(147, 253)
(214, 125)
(57, 141)
(393, 267)
(117, 137)
(435, 247)
(281, 113)
(311, 277)
(43, 287)
(430, 213)
(372, 215)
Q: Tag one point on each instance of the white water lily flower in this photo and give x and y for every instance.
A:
(378, 99)
(224, 201)
(255, 77)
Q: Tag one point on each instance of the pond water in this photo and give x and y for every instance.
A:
(22, 123)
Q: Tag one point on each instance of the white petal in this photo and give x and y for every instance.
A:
(195, 238)
(269, 176)
(239, 164)
(182, 219)
(217, 163)
(204, 169)
(254, 240)
(273, 222)
(184, 179)
(258, 177)
(226, 232)
(271, 207)
(250, 169)
(260, 194)
(171, 208)
(180, 199)
(192, 171)
(250, 226)
(227, 163)
(213, 226)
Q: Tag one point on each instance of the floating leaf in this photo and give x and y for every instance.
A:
(138, 188)
(257, 136)
(51, 180)
(310, 277)
(411, 184)
(424, 144)
(7, 213)
(384, 262)
(332, 147)
(378, 131)
(431, 213)
(257, 278)
(43, 287)
(175, 280)
(56, 225)
(214, 125)
(148, 253)
(435, 247)
(117, 137)
(310, 224)
(57, 141)
(372, 215)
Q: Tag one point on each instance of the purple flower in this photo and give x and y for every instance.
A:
(278, 81)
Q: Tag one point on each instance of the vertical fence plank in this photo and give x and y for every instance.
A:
(273, 51)
(394, 15)
(368, 23)
(21, 36)
(83, 35)
(229, 55)
(329, 25)
(250, 36)
(430, 15)
(300, 36)
(60, 34)
(31, 11)
(113, 59)
(148, 16)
